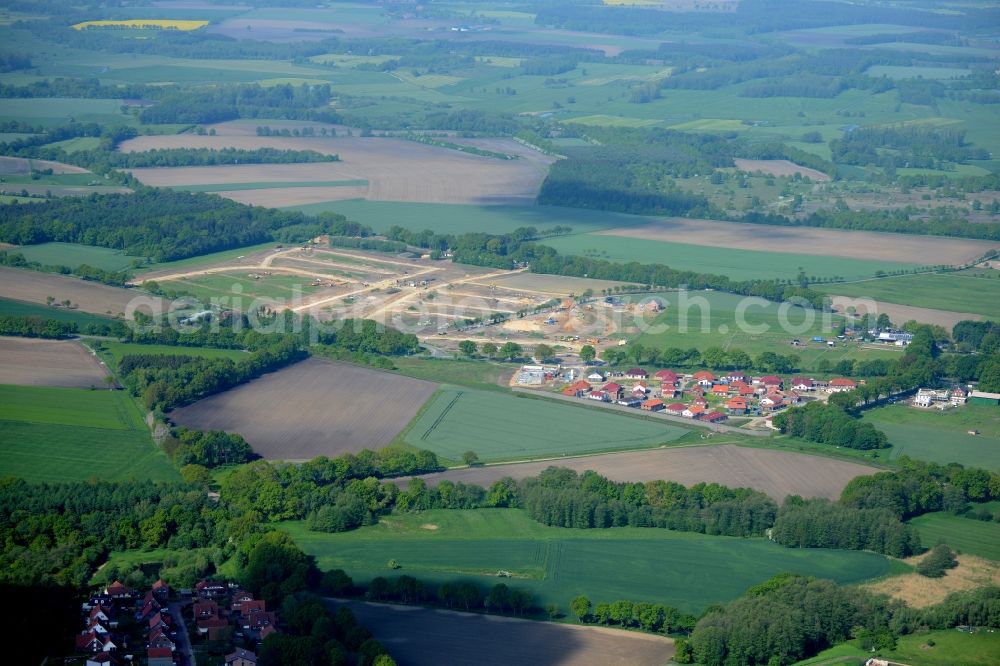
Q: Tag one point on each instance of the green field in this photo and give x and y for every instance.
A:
(458, 420)
(115, 350)
(59, 434)
(951, 648)
(737, 264)
(458, 218)
(977, 292)
(208, 259)
(968, 535)
(60, 109)
(277, 287)
(942, 437)
(704, 319)
(475, 374)
(73, 255)
(22, 309)
(682, 569)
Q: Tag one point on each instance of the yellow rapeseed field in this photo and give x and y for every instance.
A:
(140, 24)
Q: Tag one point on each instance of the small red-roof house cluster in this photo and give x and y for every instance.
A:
(841, 385)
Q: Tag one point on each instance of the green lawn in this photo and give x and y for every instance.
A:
(460, 419)
(976, 537)
(844, 654)
(60, 434)
(737, 264)
(942, 437)
(22, 309)
(951, 648)
(277, 287)
(682, 569)
(964, 291)
(704, 319)
(73, 255)
(474, 374)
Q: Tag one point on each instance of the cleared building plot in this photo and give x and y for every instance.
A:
(395, 169)
(870, 245)
(553, 285)
(777, 473)
(313, 408)
(31, 362)
(417, 636)
(36, 287)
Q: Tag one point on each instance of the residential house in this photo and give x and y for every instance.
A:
(736, 406)
(636, 373)
(205, 609)
(742, 389)
(600, 396)
(613, 390)
(772, 382)
(701, 402)
(803, 384)
(714, 417)
(667, 377)
(595, 377)
(735, 376)
(117, 590)
(159, 638)
(653, 405)
(676, 408)
(570, 393)
(771, 402)
(159, 621)
(720, 390)
(580, 386)
(693, 412)
(266, 631)
(92, 641)
(629, 401)
(640, 390)
(841, 384)
(704, 378)
(241, 658)
(159, 656)
(211, 588)
(102, 659)
(958, 396)
(161, 590)
(215, 629)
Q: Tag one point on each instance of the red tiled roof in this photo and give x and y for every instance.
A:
(676, 407)
(841, 381)
(704, 374)
(159, 653)
(612, 387)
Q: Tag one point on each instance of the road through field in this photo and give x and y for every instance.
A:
(777, 473)
(417, 636)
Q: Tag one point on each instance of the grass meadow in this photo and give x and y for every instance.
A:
(73, 255)
(968, 535)
(61, 434)
(458, 420)
(22, 309)
(974, 291)
(682, 569)
(942, 437)
(737, 264)
(947, 647)
(116, 350)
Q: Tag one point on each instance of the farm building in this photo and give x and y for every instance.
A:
(629, 401)
(984, 398)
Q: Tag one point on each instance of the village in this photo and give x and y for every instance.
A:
(164, 627)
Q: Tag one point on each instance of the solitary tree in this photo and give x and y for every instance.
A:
(581, 607)
(588, 353)
(543, 352)
(470, 458)
(467, 347)
(489, 349)
(510, 350)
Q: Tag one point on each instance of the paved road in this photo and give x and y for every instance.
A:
(186, 657)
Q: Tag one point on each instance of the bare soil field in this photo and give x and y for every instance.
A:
(396, 169)
(10, 166)
(35, 287)
(919, 591)
(555, 285)
(779, 168)
(777, 473)
(313, 408)
(281, 197)
(903, 313)
(417, 636)
(31, 362)
(905, 248)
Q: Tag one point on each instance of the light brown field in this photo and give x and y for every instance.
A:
(22, 166)
(552, 285)
(31, 362)
(872, 245)
(904, 313)
(779, 168)
(777, 473)
(34, 287)
(418, 636)
(313, 408)
(919, 591)
(396, 170)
